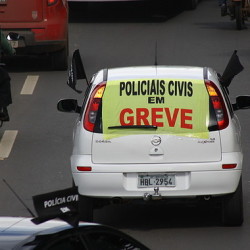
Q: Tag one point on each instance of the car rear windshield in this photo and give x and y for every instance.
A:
(156, 109)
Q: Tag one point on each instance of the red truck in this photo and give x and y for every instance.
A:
(42, 26)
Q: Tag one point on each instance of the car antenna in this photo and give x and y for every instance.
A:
(156, 58)
(18, 197)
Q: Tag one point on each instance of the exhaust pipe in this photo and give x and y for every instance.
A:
(116, 200)
(147, 197)
(207, 198)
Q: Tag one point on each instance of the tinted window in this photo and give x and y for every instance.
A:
(73, 242)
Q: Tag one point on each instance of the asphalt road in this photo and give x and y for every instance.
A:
(113, 36)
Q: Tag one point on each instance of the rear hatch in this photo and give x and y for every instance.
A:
(175, 129)
(21, 11)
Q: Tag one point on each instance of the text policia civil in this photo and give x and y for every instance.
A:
(174, 106)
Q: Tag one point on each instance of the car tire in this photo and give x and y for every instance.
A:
(59, 59)
(232, 208)
(86, 208)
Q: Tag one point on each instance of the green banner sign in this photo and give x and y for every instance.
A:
(155, 106)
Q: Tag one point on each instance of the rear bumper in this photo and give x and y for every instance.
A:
(188, 184)
(192, 179)
(39, 48)
(37, 42)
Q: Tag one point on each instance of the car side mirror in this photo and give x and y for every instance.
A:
(242, 102)
(68, 105)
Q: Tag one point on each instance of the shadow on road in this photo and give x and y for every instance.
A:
(146, 217)
(145, 11)
(27, 63)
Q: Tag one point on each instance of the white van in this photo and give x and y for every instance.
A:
(158, 133)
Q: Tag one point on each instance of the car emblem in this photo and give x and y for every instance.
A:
(34, 14)
(156, 140)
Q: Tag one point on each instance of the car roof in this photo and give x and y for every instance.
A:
(177, 72)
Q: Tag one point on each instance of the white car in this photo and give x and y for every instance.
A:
(158, 132)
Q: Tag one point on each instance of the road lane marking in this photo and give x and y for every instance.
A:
(7, 143)
(29, 85)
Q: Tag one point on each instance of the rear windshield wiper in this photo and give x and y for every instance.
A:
(133, 126)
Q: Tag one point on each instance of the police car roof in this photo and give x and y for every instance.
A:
(26, 226)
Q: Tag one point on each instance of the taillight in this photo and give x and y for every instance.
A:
(218, 104)
(229, 166)
(93, 107)
(84, 169)
(52, 2)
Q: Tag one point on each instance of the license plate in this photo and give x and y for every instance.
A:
(156, 180)
(3, 2)
(14, 44)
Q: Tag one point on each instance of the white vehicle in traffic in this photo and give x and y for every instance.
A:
(158, 133)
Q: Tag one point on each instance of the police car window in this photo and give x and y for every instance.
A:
(109, 241)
